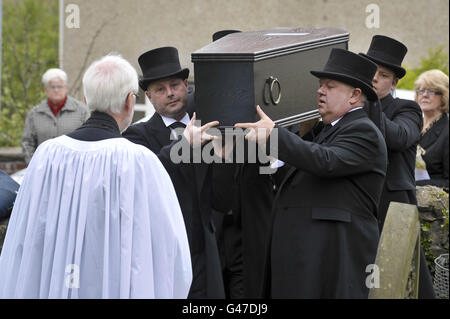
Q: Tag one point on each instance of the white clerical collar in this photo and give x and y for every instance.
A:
(335, 121)
(167, 120)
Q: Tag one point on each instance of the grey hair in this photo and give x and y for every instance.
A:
(363, 97)
(52, 74)
(107, 83)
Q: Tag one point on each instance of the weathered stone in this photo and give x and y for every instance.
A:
(431, 197)
(397, 254)
(433, 204)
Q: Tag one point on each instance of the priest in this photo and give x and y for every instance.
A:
(96, 215)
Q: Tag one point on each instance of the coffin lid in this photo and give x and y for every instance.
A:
(264, 44)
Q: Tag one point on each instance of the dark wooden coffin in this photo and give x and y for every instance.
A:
(269, 68)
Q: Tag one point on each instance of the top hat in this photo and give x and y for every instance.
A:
(350, 68)
(220, 34)
(387, 52)
(160, 63)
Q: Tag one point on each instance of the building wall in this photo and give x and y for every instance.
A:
(131, 27)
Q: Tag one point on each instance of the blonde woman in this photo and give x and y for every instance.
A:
(432, 96)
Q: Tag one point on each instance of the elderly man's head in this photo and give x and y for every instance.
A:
(344, 84)
(110, 85)
(55, 84)
(335, 98)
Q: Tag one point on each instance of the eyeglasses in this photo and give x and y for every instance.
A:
(56, 87)
(430, 92)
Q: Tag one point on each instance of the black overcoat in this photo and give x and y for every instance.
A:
(403, 123)
(325, 230)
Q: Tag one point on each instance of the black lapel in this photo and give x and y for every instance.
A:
(434, 132)
(349, 117)
(157, 128)
(162, 133)
(386, 103)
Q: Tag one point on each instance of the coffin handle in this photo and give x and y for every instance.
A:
(270, 83)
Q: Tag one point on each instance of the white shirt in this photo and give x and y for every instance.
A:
(168, 121)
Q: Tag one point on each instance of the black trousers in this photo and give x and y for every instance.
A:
(229, 241)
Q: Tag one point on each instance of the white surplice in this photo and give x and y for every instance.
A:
(95, 220)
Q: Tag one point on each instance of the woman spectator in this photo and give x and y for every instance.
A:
(58, 114)
(432, 95)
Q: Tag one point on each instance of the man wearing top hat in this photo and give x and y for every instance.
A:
(402, 122)
(325, 230)
(165, 84)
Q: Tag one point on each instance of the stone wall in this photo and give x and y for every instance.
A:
(11, 159)
(433, 204)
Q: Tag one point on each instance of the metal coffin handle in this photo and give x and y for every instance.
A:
(270, 83)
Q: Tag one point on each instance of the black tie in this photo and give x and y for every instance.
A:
(176, 125)
(323, 131)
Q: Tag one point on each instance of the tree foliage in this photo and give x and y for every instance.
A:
(437, 59)
(30, 32)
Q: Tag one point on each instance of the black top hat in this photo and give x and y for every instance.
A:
(220, 34)
(160, 63)
(388, 52)
(352, 69)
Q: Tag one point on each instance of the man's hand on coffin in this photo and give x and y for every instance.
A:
(196, 135)
(259, 131)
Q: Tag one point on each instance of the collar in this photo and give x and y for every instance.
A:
(336, 121)
(387, 100)
(57, 106)
(167, 120)
(101, 120)
(70, 105)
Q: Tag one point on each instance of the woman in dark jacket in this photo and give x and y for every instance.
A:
(432, 95)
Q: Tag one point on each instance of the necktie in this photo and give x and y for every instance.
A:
(176, 128)
(323, 131)
(176, 125)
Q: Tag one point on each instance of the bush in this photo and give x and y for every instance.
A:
(30, 47)
(437, 59)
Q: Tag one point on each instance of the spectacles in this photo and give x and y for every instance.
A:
(430, 92)
(54, 88)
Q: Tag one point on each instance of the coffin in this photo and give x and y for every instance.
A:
(269, 68)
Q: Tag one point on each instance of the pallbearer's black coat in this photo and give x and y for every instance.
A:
(325, 231)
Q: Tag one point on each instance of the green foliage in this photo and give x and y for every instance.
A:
(437, 59)
(442, 197)
(426, 245)
(30, 47)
